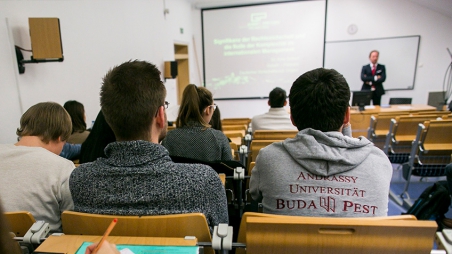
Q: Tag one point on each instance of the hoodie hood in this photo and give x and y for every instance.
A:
(327, 153)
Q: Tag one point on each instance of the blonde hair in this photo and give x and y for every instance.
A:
(47, 120)
(194, 100)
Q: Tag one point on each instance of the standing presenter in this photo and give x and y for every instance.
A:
(373, 75)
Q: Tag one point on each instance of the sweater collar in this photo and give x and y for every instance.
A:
(128, 153)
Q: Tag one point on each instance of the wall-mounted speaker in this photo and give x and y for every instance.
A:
(170, 69)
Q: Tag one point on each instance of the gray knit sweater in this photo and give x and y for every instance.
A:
(139, 178)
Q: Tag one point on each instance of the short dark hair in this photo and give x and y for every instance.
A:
(130, 96)
(319, 100)
(47, 120)
(194, 100)
(77, 112)
(277, 97)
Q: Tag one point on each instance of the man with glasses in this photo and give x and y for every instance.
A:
(138, 176)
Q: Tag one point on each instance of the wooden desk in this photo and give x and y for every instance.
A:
(360, 120)
(71, 243)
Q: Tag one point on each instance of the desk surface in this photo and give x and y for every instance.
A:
(395, 108)
(71, 243)
(360, 120)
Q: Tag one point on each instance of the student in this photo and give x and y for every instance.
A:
(193, 137)
(33, 177)
(322, 172)
(277, 117)
(78, 118)
(100, 136)
(138, 176)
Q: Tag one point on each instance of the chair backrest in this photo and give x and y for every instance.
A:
(173, 225)
(264, 233)
(406, 126)
(257, 145)
(438, 136)
(235, 127)
(234, 133)
(274, 134)
(383, 120)
(235, 121)
(395, 101)
(19, 222)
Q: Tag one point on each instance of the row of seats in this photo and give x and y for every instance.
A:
(263, 233)
(421, 142)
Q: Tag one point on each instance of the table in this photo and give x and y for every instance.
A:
(360, 120)
(71, 243)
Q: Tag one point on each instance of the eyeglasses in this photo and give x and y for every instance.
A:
(165, 106)
(214, 106)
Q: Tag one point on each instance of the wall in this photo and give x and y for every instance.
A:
(96, 35)
(100, 34)
(388, 18)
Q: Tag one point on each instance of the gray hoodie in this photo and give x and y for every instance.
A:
(322, 174)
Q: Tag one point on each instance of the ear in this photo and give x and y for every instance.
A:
(285, 103)
(268, 103)
(347, 116)
(160, 118)
(207, 111)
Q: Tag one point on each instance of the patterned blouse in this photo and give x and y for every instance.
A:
(198, 142)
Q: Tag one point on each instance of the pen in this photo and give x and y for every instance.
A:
(104, 237)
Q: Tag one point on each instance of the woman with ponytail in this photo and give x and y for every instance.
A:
(193, 137)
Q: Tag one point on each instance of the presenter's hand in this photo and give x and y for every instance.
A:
(107, 248)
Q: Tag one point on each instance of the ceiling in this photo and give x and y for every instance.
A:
(441, 6)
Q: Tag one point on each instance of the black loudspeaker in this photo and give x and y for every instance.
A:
(170, 69)
(20, 58)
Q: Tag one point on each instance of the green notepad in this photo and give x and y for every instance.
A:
(154, 249)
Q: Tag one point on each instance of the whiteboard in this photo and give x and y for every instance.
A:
(398, 54)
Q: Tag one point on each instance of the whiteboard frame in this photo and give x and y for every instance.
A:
(349, 56)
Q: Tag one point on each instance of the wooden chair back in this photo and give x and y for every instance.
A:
(234, 148)
(265, 233)
(257, 145)
(235, 121)
(274, 134)
(406, 126)
(383, 120)
(438, 136)
(235, 133)
(19, 222)
(235, 127)
(430, 152)
(174, 225)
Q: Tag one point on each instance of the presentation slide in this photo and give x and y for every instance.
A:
(250, 50)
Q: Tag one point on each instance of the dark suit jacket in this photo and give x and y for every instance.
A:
(366, 77)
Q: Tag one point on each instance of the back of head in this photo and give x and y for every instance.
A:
(77, 113)
(47, 120)
(100, 136)
(277, 98)
(194, 100)
(130, 96)
(319, 100)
